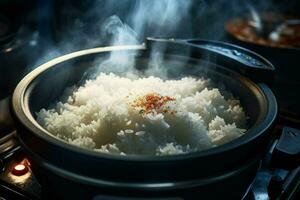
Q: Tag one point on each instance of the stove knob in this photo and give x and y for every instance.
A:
(20, 169)
(275, 187)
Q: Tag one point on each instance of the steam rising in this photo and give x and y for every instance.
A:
(163, 15)
(256, 18)
(160, 15)
(121, 34)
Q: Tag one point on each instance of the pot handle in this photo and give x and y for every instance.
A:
(286, 153)
(233, 52)
(239, 59)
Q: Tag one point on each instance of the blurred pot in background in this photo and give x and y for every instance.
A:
(277, 37)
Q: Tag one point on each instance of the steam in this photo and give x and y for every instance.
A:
(120, 34)
(256, 18)
(158, 15)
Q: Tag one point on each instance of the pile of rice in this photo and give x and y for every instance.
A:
(148, 116)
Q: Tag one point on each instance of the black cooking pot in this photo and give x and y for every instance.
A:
(225, 171)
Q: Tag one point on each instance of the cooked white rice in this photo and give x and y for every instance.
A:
(113, 114)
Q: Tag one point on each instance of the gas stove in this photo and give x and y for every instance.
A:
(18, 181)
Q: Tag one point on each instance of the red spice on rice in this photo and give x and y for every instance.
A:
(153, 102)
